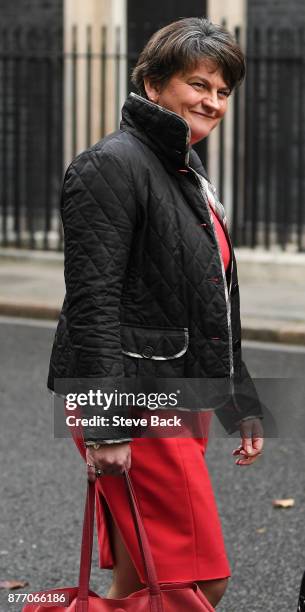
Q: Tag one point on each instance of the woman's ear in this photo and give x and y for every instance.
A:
(152, 91)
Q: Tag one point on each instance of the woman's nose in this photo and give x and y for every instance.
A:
(211, 101)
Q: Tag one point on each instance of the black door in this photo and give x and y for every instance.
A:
(145, 17)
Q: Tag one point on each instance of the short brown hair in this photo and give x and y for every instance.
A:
(179, 46)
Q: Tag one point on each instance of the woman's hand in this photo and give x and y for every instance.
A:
(109, 458)
(252, 441)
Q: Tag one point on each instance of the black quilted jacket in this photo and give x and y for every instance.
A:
(146, 292)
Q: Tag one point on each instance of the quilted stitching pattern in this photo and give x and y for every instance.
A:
(140, 251)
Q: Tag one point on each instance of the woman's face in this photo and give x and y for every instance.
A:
(200, 96)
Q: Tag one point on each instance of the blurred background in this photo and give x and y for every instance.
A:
(64, 74)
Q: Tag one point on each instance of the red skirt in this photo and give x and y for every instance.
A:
(178, 507)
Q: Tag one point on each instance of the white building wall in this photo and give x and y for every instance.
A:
(234, 13)
(94, 13)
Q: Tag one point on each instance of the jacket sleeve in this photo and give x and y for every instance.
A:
(99, 218)
(243, 404)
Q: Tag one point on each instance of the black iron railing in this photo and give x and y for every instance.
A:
(31, 138)
(273, 208)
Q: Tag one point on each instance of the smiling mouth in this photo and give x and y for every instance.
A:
(203, 115)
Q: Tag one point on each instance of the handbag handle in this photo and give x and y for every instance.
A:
(87, 543)
(87, 538)
(147, 558)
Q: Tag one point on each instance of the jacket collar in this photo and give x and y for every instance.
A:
(165, 132)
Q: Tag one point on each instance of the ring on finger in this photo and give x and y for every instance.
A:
(98, 472)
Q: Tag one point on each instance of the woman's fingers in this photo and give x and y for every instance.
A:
(252, 442)
(108, 461)
(91, 472)
(239, 450)
(246, 458)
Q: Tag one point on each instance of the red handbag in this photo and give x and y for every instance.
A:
(165, 597)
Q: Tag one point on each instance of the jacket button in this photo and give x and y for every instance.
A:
(148, 352)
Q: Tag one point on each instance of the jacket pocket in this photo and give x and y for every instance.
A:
(154, 352)
(158, 344)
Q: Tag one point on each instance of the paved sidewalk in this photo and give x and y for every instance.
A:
(272, 288)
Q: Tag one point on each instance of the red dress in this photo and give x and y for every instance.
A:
(176, 500)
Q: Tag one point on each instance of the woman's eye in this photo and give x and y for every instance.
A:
(223, 93)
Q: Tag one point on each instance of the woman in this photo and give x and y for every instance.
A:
(152, 291)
